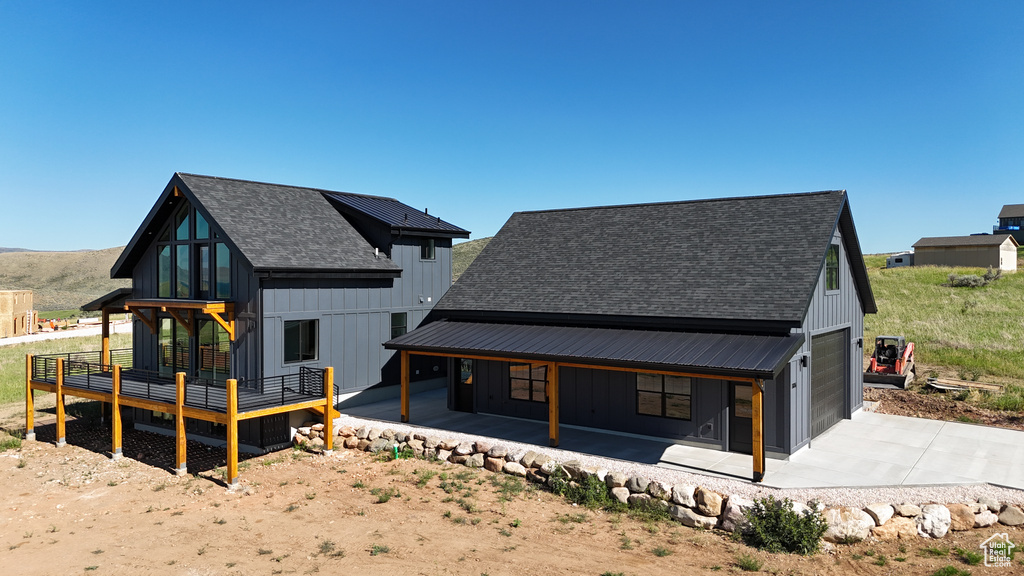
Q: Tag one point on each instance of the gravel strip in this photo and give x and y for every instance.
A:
(858, 497)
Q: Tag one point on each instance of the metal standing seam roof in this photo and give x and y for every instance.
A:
(394, 213)
(741, 355)
(949, 241)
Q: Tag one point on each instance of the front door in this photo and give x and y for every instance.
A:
(464, 385)
(741, 414)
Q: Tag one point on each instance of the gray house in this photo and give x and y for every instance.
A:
(1011, 221)
(649, 319)
(252, 281)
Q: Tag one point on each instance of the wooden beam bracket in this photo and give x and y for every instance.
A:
(150, 322)
(187, 321)
(228, 325)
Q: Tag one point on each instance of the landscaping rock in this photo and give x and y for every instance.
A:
(615, 479)
(416, 445)
(659, 490)
(514, 468)
(363, 444)
(621, 493)
(387, 434)
(350, 442)
(548, 467)
(481, 446)
(528, 458)
(897, 527)
(346, 431)
(447, 444)
(443, 455)
(879, 512)
(573, 468)
(541, 459)
(985, 518)
(299, 439)
(907, 510)
(683, 495)
(534, 475)
(1011, 516)
(304, 430)
(494, 464)
(362, 432)
(315, 445)
(475, 461)
(458, 458)
(934, 521)
(637, 500)
(431, 442)
(373, 434)
(847, 525)
(801, 509)
(464, 448)
(637, 485)
(515, 457)
(380, 444)
(692, 519)
(709, 503)
(496, 451)
(318, 427)
(961, 517)
(734, 516)
(991, 503)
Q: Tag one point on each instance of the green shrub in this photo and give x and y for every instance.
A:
(748, 563)
(772, 525)
(970, 557)
(951, 571)
(591, 493)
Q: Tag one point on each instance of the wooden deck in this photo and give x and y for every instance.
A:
(202, 401)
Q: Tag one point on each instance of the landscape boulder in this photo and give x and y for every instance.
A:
(961, 517)
(637, 484)
(1011, 516)
(514, 468)
(683, 495)
(615, 479)
(847, 525)
(898, 527)
(482, 447)
(497, 452)
(734, 516)
(351, 442)
(494, 464)
(709, 502)
(991, 503)
(691, 518)
(907, 510)
(362, 432)
(379, 444)
(934, 521)
(443, 455)
(659, 490)
(621, 493)
(985, 518)
(879, 512)
(464, 448)
(475, 461)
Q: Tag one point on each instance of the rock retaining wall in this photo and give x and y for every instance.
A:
(693, 506)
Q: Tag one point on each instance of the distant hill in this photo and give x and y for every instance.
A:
(60, 280)
(464, 254)
(4, 250)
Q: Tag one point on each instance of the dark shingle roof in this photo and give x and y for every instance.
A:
(737, 354)
(755, 258)
(1012, 211)
(979, 240)
(395, 214)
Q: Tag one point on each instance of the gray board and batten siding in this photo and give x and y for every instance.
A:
(354, 315)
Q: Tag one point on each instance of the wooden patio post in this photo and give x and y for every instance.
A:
(757, 407)
(553, 404)
(232, 409)
(115, 414)
(328, 408)
(60, 402)
(180, 444)
(105, 346)
(30, 401)
(405, 385)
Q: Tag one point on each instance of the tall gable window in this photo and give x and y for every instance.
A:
(832, 267)
(191, 263)
(663, 395)
(300, 340)
(528, 382)
(427, 249)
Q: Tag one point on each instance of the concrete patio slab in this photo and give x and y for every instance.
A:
(868, 450)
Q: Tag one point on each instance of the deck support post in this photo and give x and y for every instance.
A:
(232, 409)
(105, 346)
(30, 401)
(757, 409)
(328, 408)
(405, 385)
(180, 442)
(60, 402)
(553, 404)
(115, 414)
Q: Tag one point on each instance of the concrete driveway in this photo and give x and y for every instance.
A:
(869, 450)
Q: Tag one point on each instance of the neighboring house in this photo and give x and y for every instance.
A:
(16, 317)
(900, 260)
(1011, 221)
(997, 251)
(646, 319)
(254, 281)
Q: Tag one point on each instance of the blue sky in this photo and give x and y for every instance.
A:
(479, 109)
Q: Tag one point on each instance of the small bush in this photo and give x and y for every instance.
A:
(748, 563)
(11, 442)
(973, 280)
(772, 525)
(970, 557)
(591, 493)
(950, 571)
(378, 549)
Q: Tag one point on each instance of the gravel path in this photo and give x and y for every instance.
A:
(858, 497)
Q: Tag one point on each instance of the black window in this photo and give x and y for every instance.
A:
(399, 324)
(528, 382)
(300, 340)
(663, 395)
(832, 267)
(427, 249)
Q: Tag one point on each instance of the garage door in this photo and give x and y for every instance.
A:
(828, 380)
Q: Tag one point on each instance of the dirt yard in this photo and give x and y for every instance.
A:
(72, 510)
